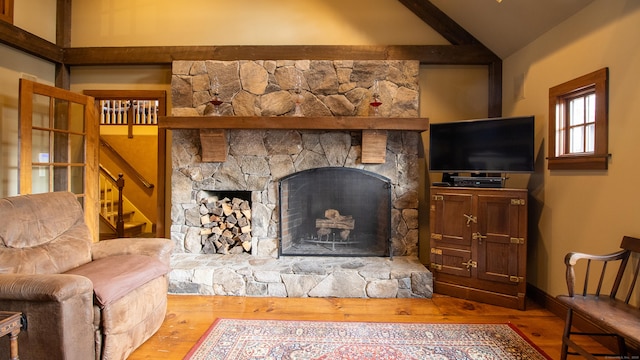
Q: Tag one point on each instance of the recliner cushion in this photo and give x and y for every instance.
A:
(43, 234)
(115, 276)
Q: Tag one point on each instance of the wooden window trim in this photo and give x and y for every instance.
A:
(6, 11)
(599, 159)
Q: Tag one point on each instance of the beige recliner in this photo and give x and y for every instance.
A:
(81, 300)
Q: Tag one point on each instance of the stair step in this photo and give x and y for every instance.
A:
(133, 224)
(114, 215)
(133, 228)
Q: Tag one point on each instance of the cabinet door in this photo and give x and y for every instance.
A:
(452, 222)
(453, 218)
(451, 261)
(499, 238)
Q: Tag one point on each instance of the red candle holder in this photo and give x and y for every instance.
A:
(375, 104)
(216, 102)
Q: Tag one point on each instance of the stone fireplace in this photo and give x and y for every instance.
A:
(328, 248)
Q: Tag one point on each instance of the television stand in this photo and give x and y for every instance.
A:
(478, 182)
(478, 244)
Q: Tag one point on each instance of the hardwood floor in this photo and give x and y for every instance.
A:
(189, 316)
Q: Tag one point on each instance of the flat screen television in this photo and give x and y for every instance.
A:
(483, 146)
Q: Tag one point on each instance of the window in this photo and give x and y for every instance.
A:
(6, 11)
(578, 136)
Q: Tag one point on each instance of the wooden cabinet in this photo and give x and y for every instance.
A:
(479, 244)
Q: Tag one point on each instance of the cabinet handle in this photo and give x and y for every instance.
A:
(478, 236)
(469, 264)
(470, 219)
(517, 241)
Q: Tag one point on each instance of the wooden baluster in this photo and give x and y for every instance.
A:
(120, 221)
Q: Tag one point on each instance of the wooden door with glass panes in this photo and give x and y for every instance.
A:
(58, 139)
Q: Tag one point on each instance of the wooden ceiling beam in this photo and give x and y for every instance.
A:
(440, 22)
(29, 43)
(63, 40)
(457, 35)
(161, 55)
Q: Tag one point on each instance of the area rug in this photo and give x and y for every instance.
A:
(277, 339)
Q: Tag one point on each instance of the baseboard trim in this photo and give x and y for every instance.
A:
(547, 301)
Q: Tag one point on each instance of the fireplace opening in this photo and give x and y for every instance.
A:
(225, 218)
(335, 211)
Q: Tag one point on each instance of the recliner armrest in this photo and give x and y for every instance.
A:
(43, 287)
(155, 247)
(62, 322)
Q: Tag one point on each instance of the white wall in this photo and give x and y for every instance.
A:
(451, 93)
(247, 22)
(37, 17)
(586, 211)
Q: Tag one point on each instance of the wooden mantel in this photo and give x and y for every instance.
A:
(291, 122)
(214, 144)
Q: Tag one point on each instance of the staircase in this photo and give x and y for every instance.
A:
(110, 203)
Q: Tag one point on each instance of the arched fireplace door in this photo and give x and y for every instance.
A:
(335, 211)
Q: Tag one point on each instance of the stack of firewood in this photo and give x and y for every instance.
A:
(334, 221)
(226, 228)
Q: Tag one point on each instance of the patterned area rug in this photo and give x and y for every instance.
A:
(277, 339)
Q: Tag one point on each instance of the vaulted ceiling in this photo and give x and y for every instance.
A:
(502, 26)
(508, 25)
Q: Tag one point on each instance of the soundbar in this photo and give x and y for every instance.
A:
(478, 182)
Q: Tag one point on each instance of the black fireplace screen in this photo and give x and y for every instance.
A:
(335, 211)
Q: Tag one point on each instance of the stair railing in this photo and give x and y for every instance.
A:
(110, 187)
(128, 168)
